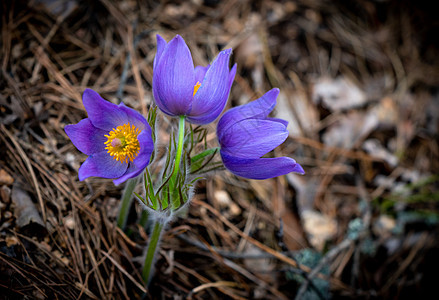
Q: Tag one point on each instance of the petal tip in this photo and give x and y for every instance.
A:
(68, 129)
(178, 38)
(89, 92)
(274, 91)
(81, 173)
(118, 181)
(233, 70)
(227, 51)
(298, 169)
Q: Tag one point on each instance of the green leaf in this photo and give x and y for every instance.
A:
(199, 161)
(141, 199)
(149, 188)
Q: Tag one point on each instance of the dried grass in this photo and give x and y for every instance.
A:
(238, 238)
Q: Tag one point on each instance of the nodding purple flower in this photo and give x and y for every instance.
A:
(116, 138)
(246, 133)
(179, 89)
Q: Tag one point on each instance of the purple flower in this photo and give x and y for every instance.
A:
(246, 133)
(179, 89)
(116, 138)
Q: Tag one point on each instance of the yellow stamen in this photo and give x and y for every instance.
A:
(196, 87)
(122, 143)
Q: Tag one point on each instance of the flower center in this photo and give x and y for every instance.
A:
(196, 87)
(122, 143)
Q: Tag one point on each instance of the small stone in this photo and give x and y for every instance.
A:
(223, 198)
(45, 246)
(235, 210)
(11, 241)
(70, 222)
(384, 226)
(7, 215)
(5, 178)
(61, 257)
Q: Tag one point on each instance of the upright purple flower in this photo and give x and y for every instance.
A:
(246, 133)
(116, 138)
(179, 89)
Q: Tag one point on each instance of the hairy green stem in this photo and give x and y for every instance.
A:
(125, 203)
(144, 218)
(160, 223)
(179, 150)
(174, 195)
(152, 249)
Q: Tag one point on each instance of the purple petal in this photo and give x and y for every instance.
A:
(200, 72)
(146, 148)
(212, 95)
(258, 109)
(135, 118)
(87, 138)
(174, 78)
(260, 168)
(142, 160)
(298, 169)
(103, 165)
(253, 138)
(103, 114)
(161, 44)
(284, 122)
(131, 172)
(232, 75)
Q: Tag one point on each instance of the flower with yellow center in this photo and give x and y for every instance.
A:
(180, 89)
(122, 143)
(117, 139)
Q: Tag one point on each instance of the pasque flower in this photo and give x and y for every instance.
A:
(116, 138)
(179, 89)
(246, 133)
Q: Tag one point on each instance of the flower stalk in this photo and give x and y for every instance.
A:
(125, 202)
(144, 218)
(159, 222)
(152, 249)
(178, 154)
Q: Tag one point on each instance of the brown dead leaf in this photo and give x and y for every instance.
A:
(304, 115)
(320, 228)
(387, 111)
(25, 210)
(375, 149)
(293, 235)
(338, 94)
(350, 129)
(5, 196)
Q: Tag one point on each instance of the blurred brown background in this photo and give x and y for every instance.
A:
(359, 86)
